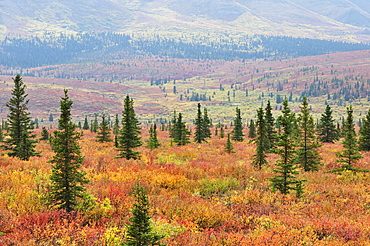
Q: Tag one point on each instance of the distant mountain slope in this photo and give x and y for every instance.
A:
(332, 19)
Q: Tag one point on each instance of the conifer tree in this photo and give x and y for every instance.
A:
(153, 142)
(364, 141)
(307, 154)
(104, 131)
(44, 134)
(326, 129)
(259, 159)
(94, 125)
(252, 129)
(350, 154)
(180, 134)
(129, 137)
(199, 134)
(116, 126)
(237, 132)
(228, 146)
(86, 124)
(1, 133)
(21, 140)
(270, 127)
(67, 181)
(140, 231)
(207, 124)
(285, 178)
(222, 132)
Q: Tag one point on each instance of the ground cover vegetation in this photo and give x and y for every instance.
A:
(291, 191)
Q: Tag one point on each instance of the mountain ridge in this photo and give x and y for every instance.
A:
(345, 20)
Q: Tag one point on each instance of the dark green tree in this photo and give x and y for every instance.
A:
(237, 132)
(270, 127)
(350, 154)
(207, 123)
(21, 140)
(104, 131)
(140, 231)
(252, 129)
(86, 124)
(364, 140)
(180, 134)
(67, 181)
(44, 134)
(222, 132)
(94, 125)
(199, 134)
(129, 137)
(259, 159)
(229, 146)
(285, 178)
(116, 126)
(308, 156)
(153, 142)
(326, 128)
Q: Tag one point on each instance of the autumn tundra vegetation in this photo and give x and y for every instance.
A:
(285, 181)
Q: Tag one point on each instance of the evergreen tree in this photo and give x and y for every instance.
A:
(104, 131)
(222, 132)
(364, 141)
(153, 142)
(129, 135)
(116, 126)
(207, 124)
(326, 128)
(252, 130)
(350, 154)
(199, 134)
(270, 127)
(229, 146)
(44, 134)
(21, 140)
(139, 231)
(237, 132)
(66, 179)
(285, 178)
(259, 159)
(180, 134)
(307, 154)
(86, 124)
(94, 125)
(1, 134)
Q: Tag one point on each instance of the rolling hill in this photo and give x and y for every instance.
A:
(346, 20)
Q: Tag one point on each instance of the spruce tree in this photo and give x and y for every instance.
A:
(228, 146)
(44, 134)
(86, 124)
(259, 159)
(285, 178)
(180, 134)
(129, 137)
(116, 126)
(67, 181)
(1, 133)
(207, 124)
(104, 131)
(237, 132)
(222, 132)
(199, 134)
(326, 129)
(140, 231)
(21, 140)
(94, 125)
(270, 127)
(364, 140)
(153, 142)
(350, 154)
(252, 129)
(308, 156)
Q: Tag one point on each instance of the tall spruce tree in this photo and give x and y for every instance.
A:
(86, 124)
(129, 137)
(44, 134)
(259, 159)
(140, 231)
(237, 132)
(104, 131)
(350, 154)
(270, 127)
(94, 125)
(116, 126)
(153, 142)
(285, 178)
(228, 146)
(207, 123)
(364, 140)
(199, 134)
(67, 181)
(308, 156)
(20, 141)
(326, 128)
